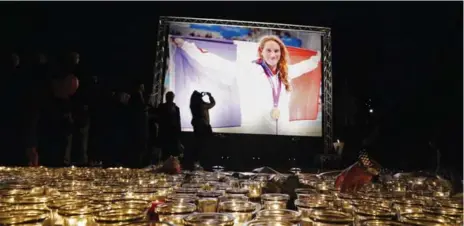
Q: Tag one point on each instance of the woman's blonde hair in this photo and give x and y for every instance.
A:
(282, 66)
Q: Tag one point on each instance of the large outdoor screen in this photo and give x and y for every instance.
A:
(263, 81)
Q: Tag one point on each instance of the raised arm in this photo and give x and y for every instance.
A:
(211, 103)
(304, 66)
(216, 67)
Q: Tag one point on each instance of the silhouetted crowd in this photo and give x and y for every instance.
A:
(54, 114)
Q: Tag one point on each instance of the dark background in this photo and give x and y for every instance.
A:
(405, 56)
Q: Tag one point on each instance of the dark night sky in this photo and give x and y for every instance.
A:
(407, 56)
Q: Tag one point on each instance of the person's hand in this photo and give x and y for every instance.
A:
(178, 42)
(352, 178)
(33, 157)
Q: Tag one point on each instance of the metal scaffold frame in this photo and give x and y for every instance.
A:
(161, 61)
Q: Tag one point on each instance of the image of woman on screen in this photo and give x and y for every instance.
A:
(263, 75)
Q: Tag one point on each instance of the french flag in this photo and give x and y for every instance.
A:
(190, 76)
(304, 100)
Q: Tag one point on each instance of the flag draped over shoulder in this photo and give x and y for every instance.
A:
(304, 100)
(191, 75)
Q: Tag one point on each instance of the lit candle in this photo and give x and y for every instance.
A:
(207, 205)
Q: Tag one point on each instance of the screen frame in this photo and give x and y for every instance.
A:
(161, 60)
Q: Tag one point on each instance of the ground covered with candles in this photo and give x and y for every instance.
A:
(120, 196)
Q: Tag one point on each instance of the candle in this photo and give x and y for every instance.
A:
(274, 201)
(291, 216)
(207, 205)
(241, 210)
(174, 213)
(216, 219)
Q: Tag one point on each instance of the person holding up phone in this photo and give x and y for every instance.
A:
(200, 121)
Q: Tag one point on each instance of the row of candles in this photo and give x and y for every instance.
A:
(83, 196)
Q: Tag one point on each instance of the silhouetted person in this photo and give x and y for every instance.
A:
(48, 120)
(116, 139)
(169, 127)
(200, 121)
(139, 118)
(80, 110)
(98, 103)
(11, 93)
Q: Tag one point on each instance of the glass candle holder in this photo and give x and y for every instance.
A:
(13, 192)
(425, 219)
(454, 214)
(381, 223)
(174, 213)
(269, 223)
(55, 204)
(343, 205)
(207, 205)
(324, 187)
(233, 197)
(187, 198)
(369, 202)
(404, 206)
(28, 202)
(146, 193)
(305, 207)
(149, 224)
(291, 216)
(254, 188)
(119, 216)
(184, 190)
(18, 217)
(201, 219)
(237, 191)
(299, 191)
(327, 218)
(242, 211)
(105, 198)
(78, 214)
(451, 203)
(139, 204)
(115, 190)
(233, 183)
(317, 197)
(274, 201)
(371, 212)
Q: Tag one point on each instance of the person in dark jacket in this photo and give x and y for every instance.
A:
(47, 120)
(11, 91)
(201, 125)
(80, 102)
(168, 115)
(139, 118)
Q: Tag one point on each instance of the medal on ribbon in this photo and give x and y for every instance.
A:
(275, 112)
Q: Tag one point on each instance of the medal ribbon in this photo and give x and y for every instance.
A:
(275, 91)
